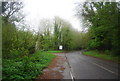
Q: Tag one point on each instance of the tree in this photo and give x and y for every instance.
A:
(102, 16)
(10, 10)
(16, 42)
(44, 37)
(57, 32)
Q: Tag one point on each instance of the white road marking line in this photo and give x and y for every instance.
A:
(105, 68)
(71, 76)
(69, 68)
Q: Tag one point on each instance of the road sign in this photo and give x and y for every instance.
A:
(60, 47)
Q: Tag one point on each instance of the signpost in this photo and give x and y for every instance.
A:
(60, 47)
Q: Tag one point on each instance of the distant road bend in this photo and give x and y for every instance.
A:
(86, 67)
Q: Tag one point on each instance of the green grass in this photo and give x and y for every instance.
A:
(55, 51)
(102, 55)
(27, 67)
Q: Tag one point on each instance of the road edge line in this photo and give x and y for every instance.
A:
(72, 77)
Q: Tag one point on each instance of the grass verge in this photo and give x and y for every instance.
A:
(102, 56)
(27, 67)
(55, 51)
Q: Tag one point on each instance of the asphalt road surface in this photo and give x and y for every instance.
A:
(86, 67)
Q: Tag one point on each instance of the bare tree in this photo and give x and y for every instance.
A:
(11, 9)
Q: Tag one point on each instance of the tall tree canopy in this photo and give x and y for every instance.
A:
(104, 28)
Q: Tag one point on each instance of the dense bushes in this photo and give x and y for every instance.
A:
(18, 50)
(16, 42)
(28, 67)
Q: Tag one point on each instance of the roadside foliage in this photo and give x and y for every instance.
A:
(25, 52)
(102, 19)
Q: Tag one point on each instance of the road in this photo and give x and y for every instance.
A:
(86, 67)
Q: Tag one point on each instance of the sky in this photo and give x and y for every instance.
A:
(36, 10)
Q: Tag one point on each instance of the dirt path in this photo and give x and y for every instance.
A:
(58, 69)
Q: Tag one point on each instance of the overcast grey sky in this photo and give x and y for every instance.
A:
(35, 10)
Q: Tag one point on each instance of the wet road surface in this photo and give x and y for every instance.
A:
(86, 67)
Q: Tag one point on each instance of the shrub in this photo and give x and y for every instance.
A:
(27, 67)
